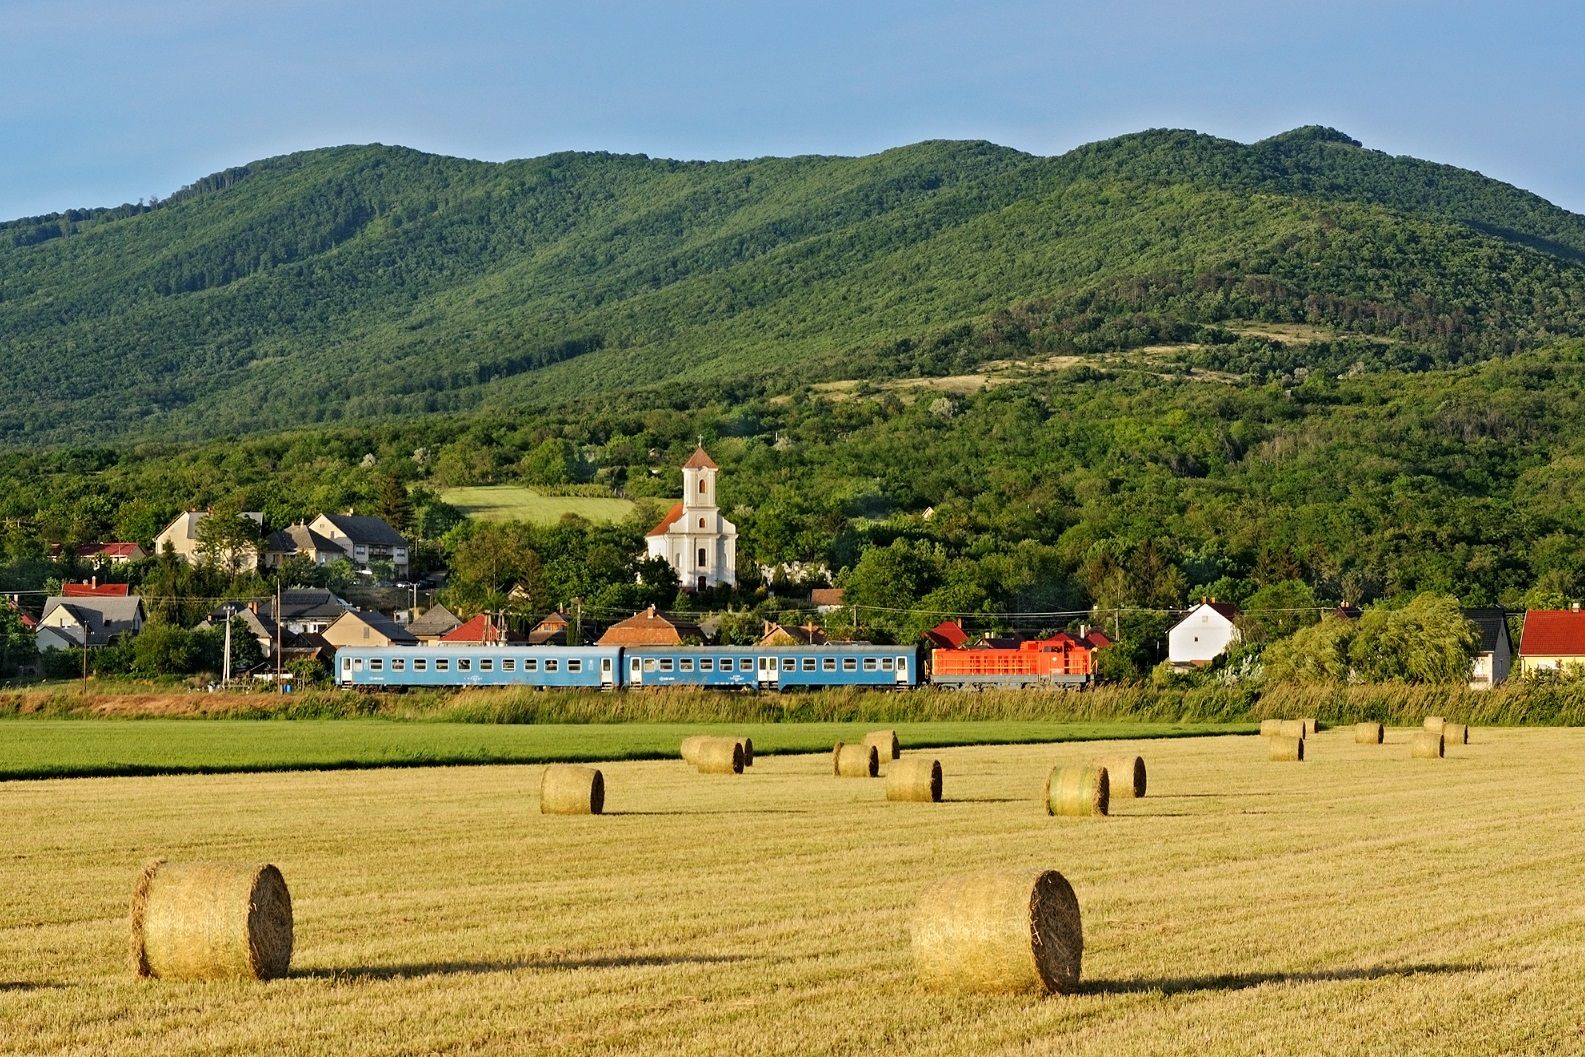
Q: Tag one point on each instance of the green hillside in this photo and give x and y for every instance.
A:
(361, 283)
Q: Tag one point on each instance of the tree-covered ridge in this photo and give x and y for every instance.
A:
(360, 283)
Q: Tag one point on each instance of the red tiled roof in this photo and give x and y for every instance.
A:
(109, 550)
(826, 596)
(1098, 639)
(673, 516)
(700, 461)
(1553, 633)
(948, 635)
(95, 590)
(648, 628)
(481, 629)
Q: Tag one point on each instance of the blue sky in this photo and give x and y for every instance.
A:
(103, 102)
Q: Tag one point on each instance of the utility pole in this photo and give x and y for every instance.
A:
(225, 663)
(277, 634)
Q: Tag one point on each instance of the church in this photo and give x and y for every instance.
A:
(693, 536)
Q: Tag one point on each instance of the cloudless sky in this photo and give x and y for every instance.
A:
(107, 101)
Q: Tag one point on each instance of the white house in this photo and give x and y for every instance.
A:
(182, 535)
(70, 622)
(1203, 633)
(693, 536)
(363, 540)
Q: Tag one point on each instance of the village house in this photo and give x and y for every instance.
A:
(651, 628)
(780, 635)
(1494, 656)
(827, 599)
(357, 627)
(182, 537)
(1203, 634)
(433, 623)
(552, 631)
(693, 537)
(102, 554)
(364, 540)
(70, 623)
(305, 610)
(247, 613)
(1552, 640)
(300, 541)
(481, 630)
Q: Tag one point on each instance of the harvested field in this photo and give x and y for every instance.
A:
(436, 911)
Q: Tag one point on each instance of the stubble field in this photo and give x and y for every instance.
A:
(1360, 902)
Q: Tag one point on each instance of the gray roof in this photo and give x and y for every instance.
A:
(112, 609)
(299, 538)
(308, 602)
(1493, 624)
(436, 620)
(366, 530)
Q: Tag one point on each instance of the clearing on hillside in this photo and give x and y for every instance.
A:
(510, 502)
(1360, 902)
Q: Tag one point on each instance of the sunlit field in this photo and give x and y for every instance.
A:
(1360, 902)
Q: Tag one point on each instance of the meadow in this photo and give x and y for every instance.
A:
(505, 502)
(1360, 903)
(45, 748)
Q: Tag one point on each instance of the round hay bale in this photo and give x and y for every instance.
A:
(1435, 723)
(211, 921)
(1368, 734)
(719, 756)
(1291, 728)
(1310, 725)
(915, 778)
(1455, 734)
(1426, 745)
(886, 744)
(1270, 728)
(1125, 775)
(566, 789)
(855, 761)
(1077, 791)
(1287, 750)
(691, 746)
(1017, 933)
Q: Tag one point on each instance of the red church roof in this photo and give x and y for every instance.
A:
(673, 516)
(700, 461)
(1553, 633)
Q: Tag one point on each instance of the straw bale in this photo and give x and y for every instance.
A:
(886, 744)
(915, 778)
(691, 746)
(1310, 725)
(1270, 728)
(719, 756)
(1291, 728)
(855, 761)
(1077, 791)
(1125, 775)
(566, 789)
(1426, 745)
(1435, 723)
(1014, 932)
(1287, 750)
(1455, 733)
(211, 921)
(1368, 734)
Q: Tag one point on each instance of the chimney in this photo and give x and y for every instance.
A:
(1084, 631)
(93, 582)
(253, 607)
(1574, 606)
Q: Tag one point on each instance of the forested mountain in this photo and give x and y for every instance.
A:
(361, 283)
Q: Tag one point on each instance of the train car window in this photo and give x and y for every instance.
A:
(509, 664)
(486, 665)
(464, 664)
(789, 664)
(665, 664)
(420, 665)
(530, 664)
(357, 664)
(871, 664)
(650, 665)
(685, 664)
(850, 664)
(550, 665)
(902, 665)
(886, 663)
(828, 664)
(575, 664)
(398, 665)
(442, 666)
(707, 664)
(376, 665)
(809, 664)
(633, 665)
(745, 664)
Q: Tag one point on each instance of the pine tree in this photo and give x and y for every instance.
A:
(394, 505)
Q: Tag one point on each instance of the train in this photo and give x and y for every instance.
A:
(1053, 662)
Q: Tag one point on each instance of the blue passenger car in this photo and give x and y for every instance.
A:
(598, 667)
(771, 667)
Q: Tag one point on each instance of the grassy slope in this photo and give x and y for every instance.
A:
(363, 282)
(74, 748)
(512, 502)
(1343, 906)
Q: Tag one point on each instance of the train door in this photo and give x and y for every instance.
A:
(346, 669)
(769, 673)
(902, 670)
(607, 674)
(635, 668)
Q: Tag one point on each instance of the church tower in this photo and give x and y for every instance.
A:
(693, 537)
